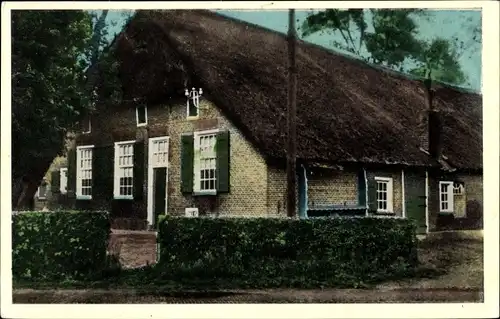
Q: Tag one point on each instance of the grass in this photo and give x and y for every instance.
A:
(451, 269)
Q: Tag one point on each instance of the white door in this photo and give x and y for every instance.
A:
(157, 164)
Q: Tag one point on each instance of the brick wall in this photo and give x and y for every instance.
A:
(332, 187)
(248, 170)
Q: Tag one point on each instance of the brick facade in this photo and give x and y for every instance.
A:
(256, 189)
(334, 187)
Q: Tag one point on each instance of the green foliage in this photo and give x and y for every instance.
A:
(47, 81)
(286, 252)
(393, 42)
(59, 245)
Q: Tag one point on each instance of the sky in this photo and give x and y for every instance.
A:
(438, 23)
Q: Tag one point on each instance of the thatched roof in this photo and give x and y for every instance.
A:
(347, 110)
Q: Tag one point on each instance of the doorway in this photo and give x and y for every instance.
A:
(157, 178)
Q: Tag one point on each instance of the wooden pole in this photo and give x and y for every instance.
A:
(291, 153)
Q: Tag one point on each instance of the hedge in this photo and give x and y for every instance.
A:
(59, 245)
(278, 252)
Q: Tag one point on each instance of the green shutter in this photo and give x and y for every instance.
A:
(222, 150)
(361, 188)
(372, 195)
(138, 170)
(55, 182)
(71, 171)
(187, 163)
(102, 172)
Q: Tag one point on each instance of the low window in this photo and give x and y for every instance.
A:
(124, 170)
(83, 172)
(384, 194)
(446, 197)
(41, 192)
(63, 187)
(141, 114)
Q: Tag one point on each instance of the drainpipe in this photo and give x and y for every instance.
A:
(366, 192)
(403, 202)
(427, 201)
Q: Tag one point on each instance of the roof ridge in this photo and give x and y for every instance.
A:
(349, 57)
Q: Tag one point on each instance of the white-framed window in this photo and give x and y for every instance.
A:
(205, 159)
(63, 184)
(84, 172)
(458, 188)
(86, 125)
(41, 192)
(141, 115)
(193, 102)
(446, 197)
(124, 170)
(384, 194)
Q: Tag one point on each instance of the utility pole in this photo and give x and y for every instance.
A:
(291, 154)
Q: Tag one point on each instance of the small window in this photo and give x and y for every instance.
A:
(384, 194)
(63, 187)
(205, 162)
(446, 197)
(458, 188)
(86, 125)
(141, 115)
(193, 102)
(41, 192)
(83, 172)
(124, 170)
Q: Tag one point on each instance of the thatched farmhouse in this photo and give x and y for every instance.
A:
(370, 141)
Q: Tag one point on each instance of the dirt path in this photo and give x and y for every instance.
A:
(249, 296)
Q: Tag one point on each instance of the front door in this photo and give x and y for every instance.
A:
(157, 178)
(159, 192)
(415, 199)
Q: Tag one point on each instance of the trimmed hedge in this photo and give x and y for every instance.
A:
(287, 252)
(59, 245)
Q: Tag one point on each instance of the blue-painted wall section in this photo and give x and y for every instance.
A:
(302, 183)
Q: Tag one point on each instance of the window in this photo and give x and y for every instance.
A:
(205, 162)
(41, 192)
(384, 194)
(63, 187)
(141, 115)
(458, 188)
(124, 170)
(193, 102)
(84, 172)
(446, 197)
(86, 125)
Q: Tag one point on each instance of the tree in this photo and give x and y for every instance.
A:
(393, 42)
(52, 88)
(48, 49)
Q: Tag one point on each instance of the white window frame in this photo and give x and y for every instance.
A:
(90, 126)
(197, 163)
(79, 168)
(390, 194)
(117, 166)
(145, 116)
(63, 187)
(449, 197)
(458, 188)
(44, 196)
